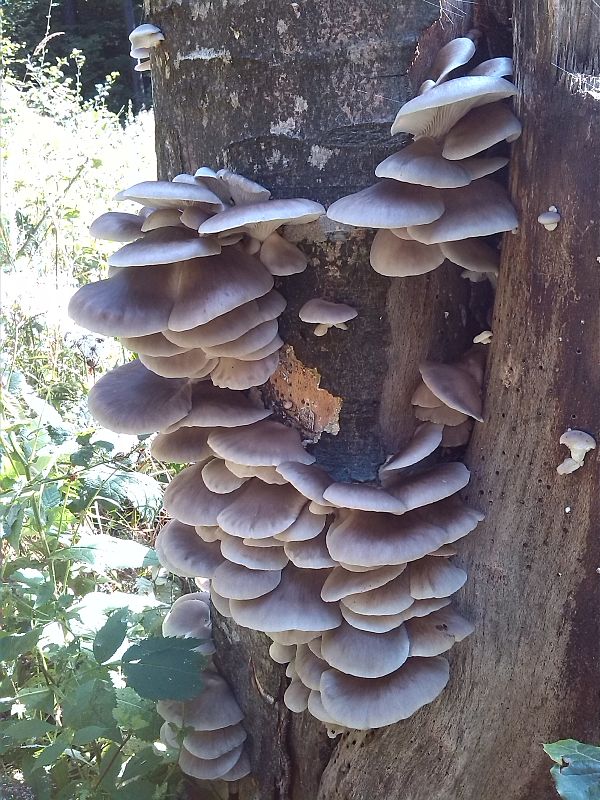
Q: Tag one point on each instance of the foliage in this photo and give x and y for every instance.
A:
(577, 770)
(98, 29)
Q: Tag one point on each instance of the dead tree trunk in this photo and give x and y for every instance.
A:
(300, 96)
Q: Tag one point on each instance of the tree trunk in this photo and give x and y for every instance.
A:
(300, 97)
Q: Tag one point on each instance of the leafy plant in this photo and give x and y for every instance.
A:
(576, 773)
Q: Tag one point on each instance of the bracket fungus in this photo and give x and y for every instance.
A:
(549, 219)
(143, 39)
(325, 315)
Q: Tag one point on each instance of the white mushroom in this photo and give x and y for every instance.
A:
(579, 443)
(549, 219)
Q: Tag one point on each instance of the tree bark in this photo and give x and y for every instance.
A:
(300, 97)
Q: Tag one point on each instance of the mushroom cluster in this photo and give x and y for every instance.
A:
(143, 39)
(434, 201)
(450, 395)
(207, 729)
(191, 290)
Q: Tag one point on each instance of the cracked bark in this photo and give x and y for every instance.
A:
(300, 97)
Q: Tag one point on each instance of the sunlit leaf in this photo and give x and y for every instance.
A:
(168, 668)
(111, 635)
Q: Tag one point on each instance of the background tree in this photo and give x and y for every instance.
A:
(300, 96)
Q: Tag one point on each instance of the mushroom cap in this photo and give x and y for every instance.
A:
(162, 218)
(426, 438)
(132, 399)
(212, 286)
(364, 703)
(143, 66)
(310, 554)
(295, 696)
(374, 540)
(480, 209)
(494, 67)
(212, 407)
(192, 363)
(578, 442)
(437, 632)
(260, 510)
(364, 497)
(423, 488)
(164, 246)
(146, 31)
(309, 666)
(398, 258)
(372, 623)
(341, 583)
(210, 178)
(187, 498)
(182, 446)
(451, 56)
(171, 194)
(248, 342)
(220, 603)
(282, 653)
(153, 344)
(388, 204)
(481, 128)
(131, 302)
(268, 558)
(281, 257)
(305, 527)
(454, 386)
(242, 189)
(294, 637)
(265, 443)
(393, 597)
(421, 163)
(295, 604)
(217, 478)
(549, 218)
(212, 744)
(421, 608)
(261, 219)
(233, 324)
(117, 226)
(442, 415)
(209, 533)
(189, 616)
(208, 769)
(186, 552)
(309, 479)
(478, 167)
(319, 310)
(239, 770)
(231, 373)
(473, 254)
(236, 582)
(434, 577)
(435, 112)
(365, 654)
(457, 435)
(266, 474)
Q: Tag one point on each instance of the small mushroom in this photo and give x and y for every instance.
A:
(549, 219)
(579, 443)
(326, 315)
(485, 337)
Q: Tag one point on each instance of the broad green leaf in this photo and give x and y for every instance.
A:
(142, 764)
(111, 635)
(161, 669)
(577, 776)
(16, 644)
(36, 778)
(55, 750)
(91, 703)
(104, 552)
(133, 712)
(37, 698)
(121, 489)
(110, 767)
(136, 790)
(22, 730)
(88, 734)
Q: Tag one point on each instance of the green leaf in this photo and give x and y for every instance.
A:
(111, 635)
(577, 776)
(162, 669)
(55, 750)
(17, 644)
(91, 703)
(104, 552)
(132, 712)
(136, 790)
(37, 698)
(83, 457)
(110, 768)
(88, 734)
(142, 764)
(22, 730)
(37, 779)
(122, 489)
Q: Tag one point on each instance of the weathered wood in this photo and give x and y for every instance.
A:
(300, 97)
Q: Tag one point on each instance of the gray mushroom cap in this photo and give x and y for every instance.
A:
(451, 56)
(472, 254)
(260, 510)
(494, 67)
(310, 554)
(189, 616)
(480, 209)
(372, 623)
(481, 128)
(171, 194)
(186, 552)
(261, 219)
(323, 311)
(181, 446)
(340, 582)
(396, 257)
(117, 226)
(305, 527)
(309, 479)
(236, 582)
(239, 770)
(242, 189)
(265, 443)
(437, 632)
(454, 386)
(363, 703)
(295, 696)
(153, 344)
(146, 35)
(212, 744)
(188, 499)
(193, 363)
(295, 604)
(281, 257)
(435, 112)
(393, 597)
(364, 654)
(232, 373)
(426, 438)
(164, 246)
(434, 577)
(388, 204)
(268, 558)
(247, 343)
(131, 399)
(212, 407)
(217, 478)
(309, 666)
(421, 163)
